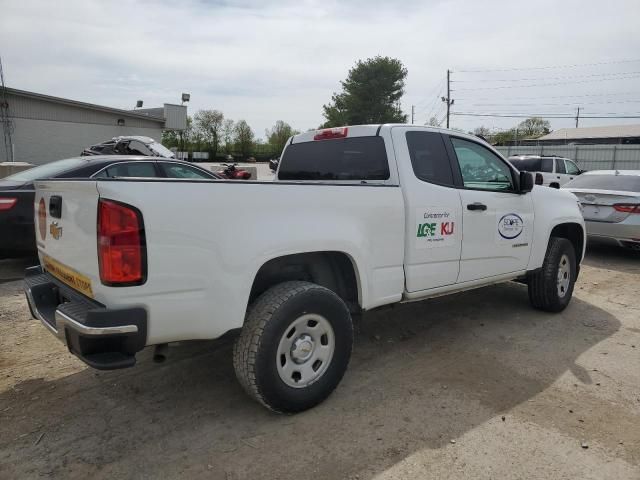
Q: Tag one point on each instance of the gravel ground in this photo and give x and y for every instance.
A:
(476, 385)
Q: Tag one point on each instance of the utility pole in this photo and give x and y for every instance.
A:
(447, 99)
(413, 111)
(577, 117)
(5, 119)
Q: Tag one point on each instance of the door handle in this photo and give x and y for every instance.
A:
(476, 206)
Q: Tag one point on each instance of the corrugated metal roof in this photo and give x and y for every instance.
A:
(612, 131)
(75, 103)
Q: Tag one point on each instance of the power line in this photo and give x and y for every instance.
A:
(547, 104)
(554, 96)
(435, 93)
(564, 77)
(547, 84)
(577, 65)
(544, 115)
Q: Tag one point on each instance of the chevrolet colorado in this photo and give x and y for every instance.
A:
(356, 218)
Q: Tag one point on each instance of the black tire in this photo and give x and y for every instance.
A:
(255, 352)
(545, 293)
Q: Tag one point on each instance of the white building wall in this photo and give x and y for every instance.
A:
(43, 141)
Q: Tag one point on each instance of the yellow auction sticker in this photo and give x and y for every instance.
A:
(67, 275)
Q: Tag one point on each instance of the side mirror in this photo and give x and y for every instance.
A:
(526, 182)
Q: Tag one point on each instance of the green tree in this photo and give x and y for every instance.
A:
(278, 135)
(371, 93)
(243, 138)
(228, 127)
(533, 127)
(209, 124)
(482, 131)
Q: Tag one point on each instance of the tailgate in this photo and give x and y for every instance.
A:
(66, 218)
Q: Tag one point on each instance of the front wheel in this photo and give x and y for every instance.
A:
(294, 347)
(551, 288)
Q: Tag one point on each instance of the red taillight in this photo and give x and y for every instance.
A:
(627, 207)
(7, 203)
(329, 133)
(121, 244)
(539, 179)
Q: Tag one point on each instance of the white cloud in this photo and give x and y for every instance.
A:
(264, 61)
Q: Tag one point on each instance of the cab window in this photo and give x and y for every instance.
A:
(429, 157)
(481, 169)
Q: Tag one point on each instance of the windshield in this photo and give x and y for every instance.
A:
(627, 183)
(161, 150)
(46, 171)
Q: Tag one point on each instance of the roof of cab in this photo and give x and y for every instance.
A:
(374, 129)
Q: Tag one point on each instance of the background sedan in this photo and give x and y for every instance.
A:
(17, 236)
(610, 202)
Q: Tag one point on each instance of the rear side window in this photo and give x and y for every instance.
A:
(137, 169)
(429, 157)
(546, 165)
(527, 164)
(533, 164)
(357, 158)
(560, 166)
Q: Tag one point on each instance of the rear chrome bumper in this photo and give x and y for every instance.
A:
(103, 338)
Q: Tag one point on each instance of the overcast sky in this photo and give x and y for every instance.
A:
(264, 61)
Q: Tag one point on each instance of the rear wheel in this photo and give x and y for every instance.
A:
(551, 288)
(294, 347)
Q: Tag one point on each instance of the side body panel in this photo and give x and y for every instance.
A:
(201, 265)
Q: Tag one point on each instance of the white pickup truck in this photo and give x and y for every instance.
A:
(357, 217)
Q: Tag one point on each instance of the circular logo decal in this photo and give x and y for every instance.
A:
(42, 219)
(510, 226)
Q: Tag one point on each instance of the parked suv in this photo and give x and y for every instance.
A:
(550, 171)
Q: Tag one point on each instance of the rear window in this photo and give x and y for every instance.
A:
(626, 183)
(48, 170)
(533, 164)
(357, 158)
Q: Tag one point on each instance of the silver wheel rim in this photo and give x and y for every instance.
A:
(564, 276)
(305, 350)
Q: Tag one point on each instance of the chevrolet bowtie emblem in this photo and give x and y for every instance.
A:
(55, 230)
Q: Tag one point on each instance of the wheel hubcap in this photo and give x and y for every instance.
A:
(564, 276)
(305, 350)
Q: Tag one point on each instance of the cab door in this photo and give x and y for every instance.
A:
(497, 222)
(433, 218)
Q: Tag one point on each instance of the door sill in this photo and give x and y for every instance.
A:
(459, 287)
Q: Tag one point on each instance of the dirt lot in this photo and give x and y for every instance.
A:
(476, 385)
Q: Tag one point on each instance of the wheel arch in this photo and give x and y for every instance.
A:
(574, 232)
(335, 270)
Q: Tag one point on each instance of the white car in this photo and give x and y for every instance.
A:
(357, 217)
(549, 171)
(611, 205)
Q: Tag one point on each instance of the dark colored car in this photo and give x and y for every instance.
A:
(17, 235)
